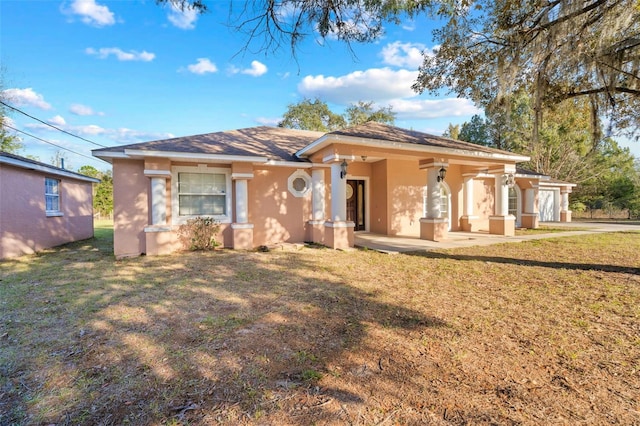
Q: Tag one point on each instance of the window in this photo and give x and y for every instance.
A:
(200, 191)
(299, 183)
(513, 201)
(52, 196)
(202, 194)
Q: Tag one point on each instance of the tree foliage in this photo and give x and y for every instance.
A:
(311, 115)
(103, 191)
(362, 112)
(555, 50)
(452, 131)
(9, 142)
(316, 115)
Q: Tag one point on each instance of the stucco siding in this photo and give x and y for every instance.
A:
(378, 193)
(483, 200)
(25, 227)
(131, 207)
(276, 214)
(405, 193)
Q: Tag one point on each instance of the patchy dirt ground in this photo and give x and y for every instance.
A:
(545, 332)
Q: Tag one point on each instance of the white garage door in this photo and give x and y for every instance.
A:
(548, 203)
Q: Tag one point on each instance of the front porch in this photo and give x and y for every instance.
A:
(457, 239)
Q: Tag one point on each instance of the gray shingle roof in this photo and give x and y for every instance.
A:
(379, 131)
(276, 143)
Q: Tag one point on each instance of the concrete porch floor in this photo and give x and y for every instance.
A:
(400, 244)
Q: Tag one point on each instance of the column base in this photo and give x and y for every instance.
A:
(434, 229)
(339, 235)
(159, 240)
(565, 216)
(315, 231)
(502, 225)
(466, 223)
(530, 220)
(242, 235)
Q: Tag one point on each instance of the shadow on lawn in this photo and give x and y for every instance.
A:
(209, 337)
(529, 262)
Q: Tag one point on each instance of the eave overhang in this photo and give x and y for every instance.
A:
(327, 140)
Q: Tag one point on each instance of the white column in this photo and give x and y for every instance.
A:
(158, 201)
(317, 194)
(338, 194)
(529, 200)
(501, 196)
(564, 200)
(433, 193)
(242, 211)
(468, 196)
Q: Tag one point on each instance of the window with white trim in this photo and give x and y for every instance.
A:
(513, 201)
(52, 196)
(201, 191)
(299, 183)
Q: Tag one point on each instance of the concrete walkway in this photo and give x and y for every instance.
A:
(387, 244)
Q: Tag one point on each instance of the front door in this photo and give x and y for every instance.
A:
(355, 203)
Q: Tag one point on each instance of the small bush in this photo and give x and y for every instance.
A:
(199, 233)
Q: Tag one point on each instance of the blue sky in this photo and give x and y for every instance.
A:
(119, 72)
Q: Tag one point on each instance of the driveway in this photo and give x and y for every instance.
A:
(400, 244)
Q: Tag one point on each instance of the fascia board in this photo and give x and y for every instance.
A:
(301, 165)
(327, 139)
(136, 153)
(558, 184)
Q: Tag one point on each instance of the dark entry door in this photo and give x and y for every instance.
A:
(356, 203)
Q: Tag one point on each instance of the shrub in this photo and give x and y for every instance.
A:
(199, 233)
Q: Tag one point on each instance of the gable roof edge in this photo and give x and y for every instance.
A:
(25, 163)
(320, 143)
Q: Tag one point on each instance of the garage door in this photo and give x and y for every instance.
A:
(548, 202)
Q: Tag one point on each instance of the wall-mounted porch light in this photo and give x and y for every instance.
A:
(343, 169)
(510, 180)
(441, 174)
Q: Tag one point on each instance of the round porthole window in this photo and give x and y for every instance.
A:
(299, 183)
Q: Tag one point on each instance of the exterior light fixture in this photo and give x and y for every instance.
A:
(510, 180)
(343, 169)
(441, 174)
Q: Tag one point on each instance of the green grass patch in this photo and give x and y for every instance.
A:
(503, 334)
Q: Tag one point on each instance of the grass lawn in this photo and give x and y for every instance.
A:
(542, 332)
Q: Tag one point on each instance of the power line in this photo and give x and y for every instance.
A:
(51, 143)
(51, 125)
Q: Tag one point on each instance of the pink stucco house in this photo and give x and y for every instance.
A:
(270, 185)
(41, 206)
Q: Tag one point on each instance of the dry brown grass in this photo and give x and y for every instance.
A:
(544, 332)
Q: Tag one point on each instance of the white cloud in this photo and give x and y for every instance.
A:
(183, 19)
(408, 55)
(79, 109)
(432, 108)
(203, 66)
(91, 13)
(25, 97)
(375, 84)
(385, 87)
(120, 54)
(58, 120)
(409, 26)
(268, 121)
(120, 135)
(256, 70)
